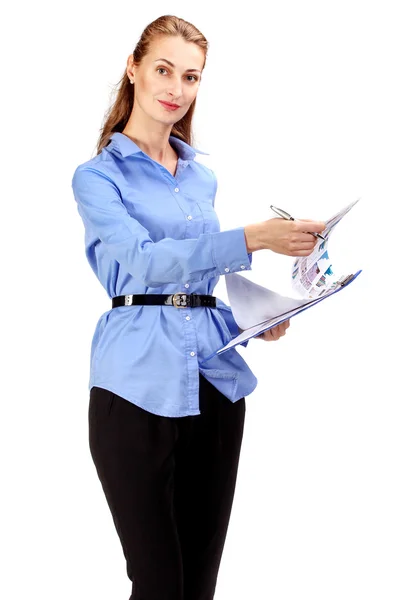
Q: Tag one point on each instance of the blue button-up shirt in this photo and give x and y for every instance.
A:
(149, 232)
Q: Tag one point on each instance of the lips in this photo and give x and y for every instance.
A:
(169, 105)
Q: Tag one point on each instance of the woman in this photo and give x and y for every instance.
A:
(165, 428)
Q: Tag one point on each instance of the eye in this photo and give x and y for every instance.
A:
(195, 78)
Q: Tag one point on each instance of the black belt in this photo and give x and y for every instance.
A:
(179, 300)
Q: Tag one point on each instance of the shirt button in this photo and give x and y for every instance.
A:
(186, 285)
(226, 269)
(176, 189)
(192, 353)
(190, 217)
(187, 318)
(242, 267)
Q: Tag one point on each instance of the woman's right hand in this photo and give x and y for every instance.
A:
(284, 237)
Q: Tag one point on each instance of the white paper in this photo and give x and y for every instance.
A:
(268, 324)
(252, 303)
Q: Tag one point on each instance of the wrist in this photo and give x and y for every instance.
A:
(252, 239)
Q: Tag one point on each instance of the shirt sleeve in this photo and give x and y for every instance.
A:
(153, 263)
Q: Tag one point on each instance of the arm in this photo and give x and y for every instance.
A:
(129, 243)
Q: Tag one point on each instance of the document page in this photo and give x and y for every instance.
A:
(313, 276)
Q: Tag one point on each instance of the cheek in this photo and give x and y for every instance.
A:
(194, 93)
(149, 87)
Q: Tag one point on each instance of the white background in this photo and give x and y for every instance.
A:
(299, 107)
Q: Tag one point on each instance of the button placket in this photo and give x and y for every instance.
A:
(179, 199)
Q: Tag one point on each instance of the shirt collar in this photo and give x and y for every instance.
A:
(126, 146)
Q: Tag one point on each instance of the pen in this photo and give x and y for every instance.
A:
(285, 215)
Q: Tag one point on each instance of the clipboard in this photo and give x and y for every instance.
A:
(259, 328)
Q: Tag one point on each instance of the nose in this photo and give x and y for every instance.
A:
(174, 88)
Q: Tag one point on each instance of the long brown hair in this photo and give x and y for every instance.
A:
(119, 112)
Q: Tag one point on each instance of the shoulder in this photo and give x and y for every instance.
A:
(101, 166)
(202, 165)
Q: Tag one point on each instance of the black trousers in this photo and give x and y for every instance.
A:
(169, 483)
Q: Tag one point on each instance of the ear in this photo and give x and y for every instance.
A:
(130, 68)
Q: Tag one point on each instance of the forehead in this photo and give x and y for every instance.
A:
(183, 54)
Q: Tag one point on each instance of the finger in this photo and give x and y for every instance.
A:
(264, 336)
(299, 253)
(306, 225)
(304, 237)
(282, 330)
(296, 248)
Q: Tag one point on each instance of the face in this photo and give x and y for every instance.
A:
(157, 80)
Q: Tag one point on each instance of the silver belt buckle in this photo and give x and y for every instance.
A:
(180, 302)
(128, 300)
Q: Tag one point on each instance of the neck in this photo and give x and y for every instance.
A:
(152, 137)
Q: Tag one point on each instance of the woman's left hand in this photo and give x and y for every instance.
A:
(274, 333)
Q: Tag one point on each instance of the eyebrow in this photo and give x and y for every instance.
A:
(172, 65)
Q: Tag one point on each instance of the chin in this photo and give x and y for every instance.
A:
(167, 120)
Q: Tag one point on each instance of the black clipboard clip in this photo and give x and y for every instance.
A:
(346, 280)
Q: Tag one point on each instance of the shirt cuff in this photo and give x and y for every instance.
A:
(230, 251)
